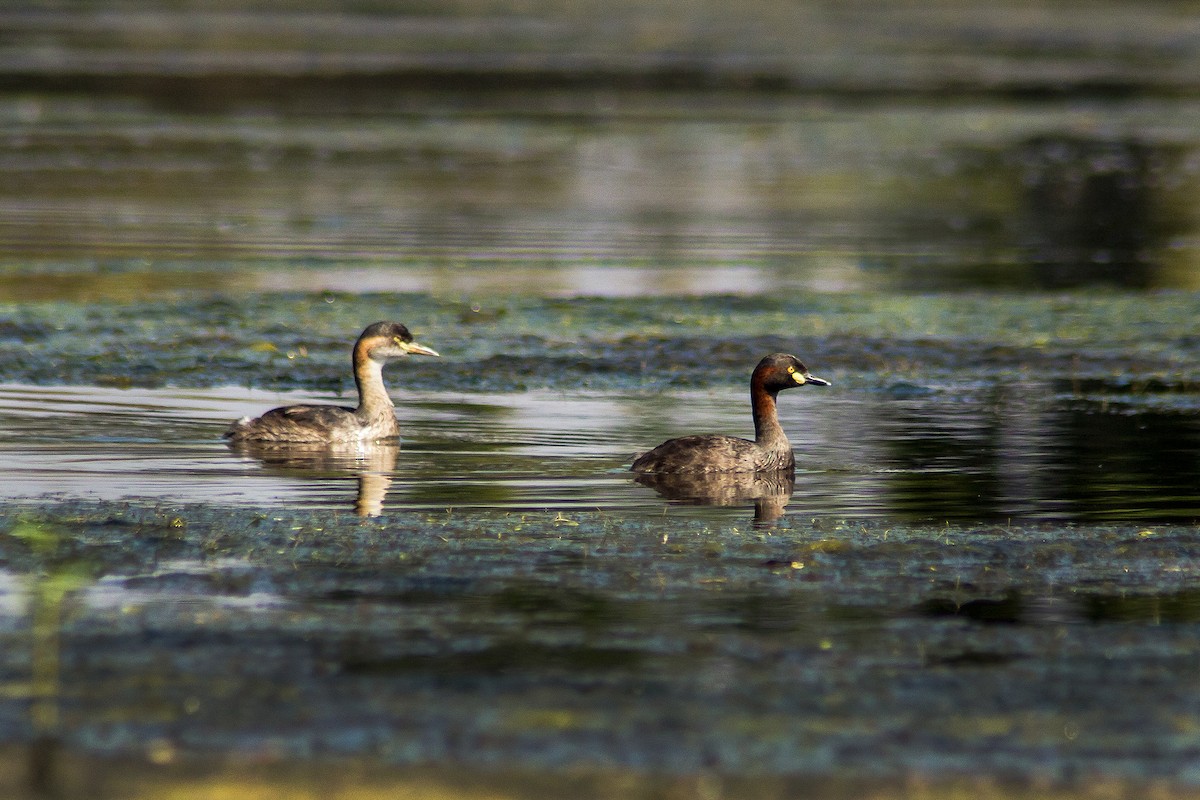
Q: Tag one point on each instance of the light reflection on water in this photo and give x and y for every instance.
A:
(985, 454)
(859, 198)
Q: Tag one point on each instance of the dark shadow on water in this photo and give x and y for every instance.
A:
(769, 492)
(1146, 463)
(1010, 609)
(1021, 607)
(1050, 211)
(373, 465)
(1071, 457)
(1090, 213)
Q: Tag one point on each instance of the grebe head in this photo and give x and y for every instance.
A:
(780, 371)
(384, 341)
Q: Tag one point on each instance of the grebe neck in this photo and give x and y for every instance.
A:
(373, 399)
(767, 430)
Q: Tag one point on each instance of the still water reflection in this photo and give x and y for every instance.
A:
(373, 466)
(825, 196)
(1022, 452)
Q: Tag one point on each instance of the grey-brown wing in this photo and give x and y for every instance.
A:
(295, 424)
(700, 453)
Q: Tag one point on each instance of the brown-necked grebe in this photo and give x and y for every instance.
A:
(374, 419)
(770, 450)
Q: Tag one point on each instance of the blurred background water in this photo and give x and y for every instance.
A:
(529, 146)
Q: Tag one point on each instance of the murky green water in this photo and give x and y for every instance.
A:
(979, 223)
(596, 641)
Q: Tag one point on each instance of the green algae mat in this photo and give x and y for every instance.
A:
(608, 652)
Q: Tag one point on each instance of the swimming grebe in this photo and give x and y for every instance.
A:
(374, 418)
(770, 449)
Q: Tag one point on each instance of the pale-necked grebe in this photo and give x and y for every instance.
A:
(770, 449)
(374, 419)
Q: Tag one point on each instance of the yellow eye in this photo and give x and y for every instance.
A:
(791, 370)
(398, 340)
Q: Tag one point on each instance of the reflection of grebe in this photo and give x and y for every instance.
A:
(374, 419)
(769, 492)
(770, 450)
(372, 463)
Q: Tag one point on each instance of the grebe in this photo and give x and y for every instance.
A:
(374, 419)
(770, 450)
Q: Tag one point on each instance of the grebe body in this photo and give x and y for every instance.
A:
(374, 419)
(770, 451)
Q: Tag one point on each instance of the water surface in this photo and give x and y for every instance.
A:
(979, 222)
(935, 453)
